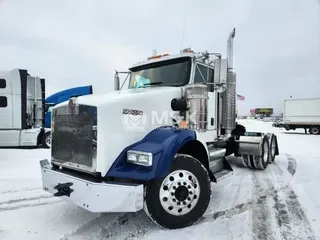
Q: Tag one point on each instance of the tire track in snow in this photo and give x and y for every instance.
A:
(128, 226)
(20, 190)
(263, 194)
(13, 200)
(292, 221)
(94, 225)
(25, 199)
(262, 225)
(291, 218)
(29, 203)
(302, 224)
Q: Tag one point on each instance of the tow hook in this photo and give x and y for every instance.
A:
(63, 189)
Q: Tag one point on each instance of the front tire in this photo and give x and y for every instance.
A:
(46, 140)
(181, 198)
(314, 130)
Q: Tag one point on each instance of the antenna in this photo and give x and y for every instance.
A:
(184, 26)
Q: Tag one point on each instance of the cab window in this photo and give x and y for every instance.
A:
(3, 83)
(3, 102)
(201, 73)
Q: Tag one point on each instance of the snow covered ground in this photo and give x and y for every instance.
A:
(282, 202)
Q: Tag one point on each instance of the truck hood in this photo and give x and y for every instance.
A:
(133, 94)
(118, 123)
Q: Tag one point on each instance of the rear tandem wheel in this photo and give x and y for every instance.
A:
(258, 162)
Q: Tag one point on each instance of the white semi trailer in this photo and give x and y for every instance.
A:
(157, 145)
(22, 103)
(301, 113)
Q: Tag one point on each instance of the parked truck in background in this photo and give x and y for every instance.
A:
(63, 96)
(157, 145)
(301, 113)
(22, 103)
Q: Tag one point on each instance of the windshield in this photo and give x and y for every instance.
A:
(175, 72)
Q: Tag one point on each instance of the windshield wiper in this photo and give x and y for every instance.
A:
(152, 83)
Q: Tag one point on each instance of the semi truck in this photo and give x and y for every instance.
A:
(156, 145)
(22, 102)
(301, 113)
(62, 96)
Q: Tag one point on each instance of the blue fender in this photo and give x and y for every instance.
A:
(163, 143)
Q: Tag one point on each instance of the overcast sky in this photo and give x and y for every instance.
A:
(76, 42)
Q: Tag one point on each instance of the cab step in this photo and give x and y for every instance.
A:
(225, 172)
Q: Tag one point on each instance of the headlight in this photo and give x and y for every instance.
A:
(139, 158)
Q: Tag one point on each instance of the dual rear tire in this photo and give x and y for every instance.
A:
(269, 151)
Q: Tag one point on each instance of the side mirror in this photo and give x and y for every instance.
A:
(116, 82)
(220, 74)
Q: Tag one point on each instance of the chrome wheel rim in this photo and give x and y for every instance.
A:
(179, 192)
(265, 151)
(273, 148)
(48, 141)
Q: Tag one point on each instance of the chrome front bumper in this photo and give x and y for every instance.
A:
(94, 197)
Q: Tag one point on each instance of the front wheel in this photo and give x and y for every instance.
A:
(182, 197)
(314, 130)
(46, 140)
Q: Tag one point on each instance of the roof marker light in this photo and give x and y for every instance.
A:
(187, 50)
(158, 56)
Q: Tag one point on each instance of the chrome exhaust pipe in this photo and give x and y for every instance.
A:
(230, 49)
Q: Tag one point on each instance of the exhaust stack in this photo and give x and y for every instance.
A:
(230, 49)
(229, 96)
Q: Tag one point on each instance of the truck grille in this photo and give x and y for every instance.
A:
(74, 142)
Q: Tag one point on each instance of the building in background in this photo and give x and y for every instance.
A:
(263, 112)
(252, 112)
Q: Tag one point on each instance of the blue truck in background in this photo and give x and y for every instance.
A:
(63, 96)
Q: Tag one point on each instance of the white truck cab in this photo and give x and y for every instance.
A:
(156, 145)
(22, 110)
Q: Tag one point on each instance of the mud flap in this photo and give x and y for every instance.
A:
(277, 146)
(272, 139)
